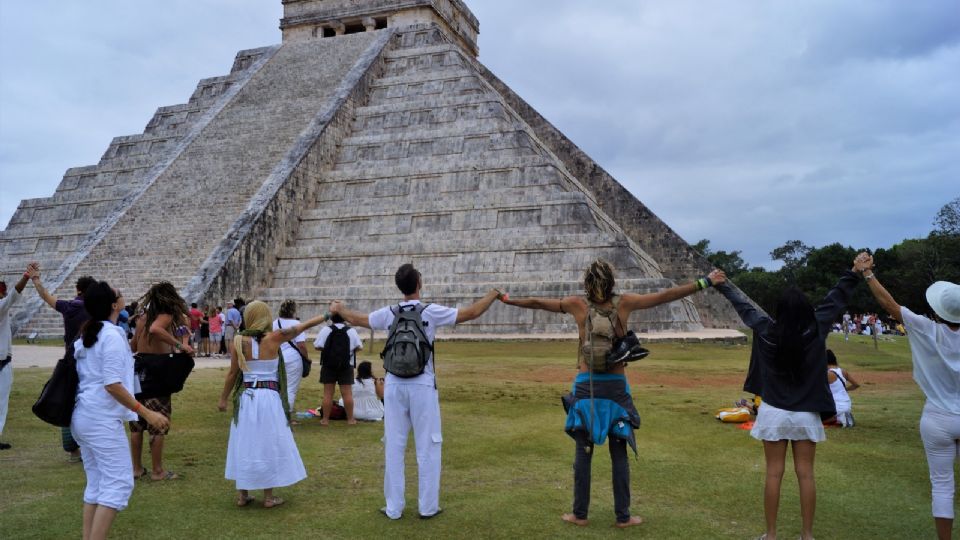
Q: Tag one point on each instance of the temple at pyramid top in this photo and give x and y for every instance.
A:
(370, 137)
(308, 19)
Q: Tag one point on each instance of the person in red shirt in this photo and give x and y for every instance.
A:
(196, 317)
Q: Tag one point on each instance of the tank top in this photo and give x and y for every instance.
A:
(260, 370)
(839, 390)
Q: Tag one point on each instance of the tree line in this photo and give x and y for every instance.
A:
(907, 268)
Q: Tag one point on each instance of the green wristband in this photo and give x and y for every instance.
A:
(326, 315)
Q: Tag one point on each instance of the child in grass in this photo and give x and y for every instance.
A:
(841, 382)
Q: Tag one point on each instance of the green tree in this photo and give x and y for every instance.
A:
(730, 262)
(947, 222)
(762, 286)
(793, 254)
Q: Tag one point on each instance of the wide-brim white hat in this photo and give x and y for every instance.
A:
(944, 298)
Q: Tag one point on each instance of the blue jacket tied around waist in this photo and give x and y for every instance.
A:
(613, 412)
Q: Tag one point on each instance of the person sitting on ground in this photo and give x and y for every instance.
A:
(935, 350)
(294, 351)
(788, 366)
(164, 311)
(338, 344)
(74, 315)
(105, 399)
(367, 394)
(841, 382)
(598, 385)
(261, 452)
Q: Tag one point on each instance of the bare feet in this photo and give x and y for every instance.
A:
(351, 422)
(632, 522)
(574, 520)
(324, 423)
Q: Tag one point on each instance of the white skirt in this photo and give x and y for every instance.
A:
(775, 424)
(261, 453)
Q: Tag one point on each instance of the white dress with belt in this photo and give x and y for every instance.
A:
(261, 453)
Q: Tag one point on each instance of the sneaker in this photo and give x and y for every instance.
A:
(627, 349)
(433, 515)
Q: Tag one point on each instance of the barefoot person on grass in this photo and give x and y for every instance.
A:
(601, 317)
(935, 346)
(156, 339)
(412, 401)
(261, 453)
(788, 369)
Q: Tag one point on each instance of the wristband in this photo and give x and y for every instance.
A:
(868, 278)
(26, 275)
(326, 315)
(704, 283)
(136, 408)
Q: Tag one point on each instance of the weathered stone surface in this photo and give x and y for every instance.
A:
(315, 168)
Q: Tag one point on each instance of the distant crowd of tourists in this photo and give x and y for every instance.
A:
(130, 360)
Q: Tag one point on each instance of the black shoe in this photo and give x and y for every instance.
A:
(623, 348)
(5, 446)
(636, 353)
(437, 513)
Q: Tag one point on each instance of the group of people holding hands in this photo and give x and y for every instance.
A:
(788, 368)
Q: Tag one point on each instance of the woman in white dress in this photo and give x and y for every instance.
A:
(367, 394)
(261, 453)
(294, 350)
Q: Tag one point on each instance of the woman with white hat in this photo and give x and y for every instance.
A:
(935, 346)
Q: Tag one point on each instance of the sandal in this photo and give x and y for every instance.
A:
(143, 472)
(167, 475)
(244, 501)
(272, 502)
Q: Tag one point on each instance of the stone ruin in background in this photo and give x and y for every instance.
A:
(371, 136)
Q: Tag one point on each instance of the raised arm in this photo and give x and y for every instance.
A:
(754, 318)
(632, 301)
(883, 297)
(291, 332)
(353, 318)
(839, 296)
(50, 299)
(477, 308)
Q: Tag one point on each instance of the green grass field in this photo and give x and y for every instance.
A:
(507, 469)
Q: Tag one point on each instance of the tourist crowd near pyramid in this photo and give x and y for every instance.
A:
(372, 136)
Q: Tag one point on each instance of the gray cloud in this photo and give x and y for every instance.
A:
(746, 123)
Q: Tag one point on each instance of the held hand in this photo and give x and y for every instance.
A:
(863, 262)
(337, 306)
(717, 277)
(155, 419)
(501, 295)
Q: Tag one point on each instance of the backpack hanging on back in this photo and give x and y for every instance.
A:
(601, 327)
(407, 349)
(336, 350)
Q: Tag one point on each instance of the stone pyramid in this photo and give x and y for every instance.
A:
(370, 137)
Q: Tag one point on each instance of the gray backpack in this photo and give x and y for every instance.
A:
(407, 349)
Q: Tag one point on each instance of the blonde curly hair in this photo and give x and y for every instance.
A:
(598, 281)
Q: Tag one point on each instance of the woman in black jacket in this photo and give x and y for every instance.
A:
(788, 369)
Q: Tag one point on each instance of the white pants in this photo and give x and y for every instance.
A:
(6, 382)
(106, 460)
(294, 370)
(416, 406)
(940, 431)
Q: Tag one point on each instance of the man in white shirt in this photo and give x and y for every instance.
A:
(6, 342)
(413, 401)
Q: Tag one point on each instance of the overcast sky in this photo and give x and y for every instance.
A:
(747, 123)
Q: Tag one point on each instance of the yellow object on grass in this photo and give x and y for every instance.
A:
(736, 415)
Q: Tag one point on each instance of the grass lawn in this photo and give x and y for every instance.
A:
(507, 469)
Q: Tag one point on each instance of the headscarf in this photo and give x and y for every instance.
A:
(258, 321)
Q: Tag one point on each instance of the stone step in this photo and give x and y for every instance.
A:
(416, 167)
(467, 128)
(413, 119)
(482, 141)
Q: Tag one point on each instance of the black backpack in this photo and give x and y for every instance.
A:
(336, 351)
(407, 349)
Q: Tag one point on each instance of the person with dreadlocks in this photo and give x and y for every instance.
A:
(261, 452)
(159, 340)
(788, 369)
(601, 404)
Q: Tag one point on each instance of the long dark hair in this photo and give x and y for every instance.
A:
(162, 298)
(364, 371)
(98, 300)
(793, 329)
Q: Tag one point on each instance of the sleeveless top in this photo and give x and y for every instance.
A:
(600, 347)
(839, 390)
(260, 370)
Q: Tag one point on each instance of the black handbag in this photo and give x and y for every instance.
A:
(59, 395)
(161, 374)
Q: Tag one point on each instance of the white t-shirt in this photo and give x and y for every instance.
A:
(434, 316)
(6, 337)
(290, 354)
(355, 342)
(109, 361)
(936, 360)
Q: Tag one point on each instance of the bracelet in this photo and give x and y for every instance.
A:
(704, 283)
(137, 407)
(868, 278)
(326, 315)
(26, 275)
